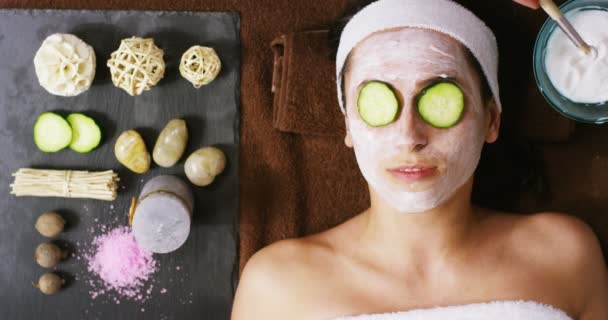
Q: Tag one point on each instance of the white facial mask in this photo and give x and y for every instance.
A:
(405, 58)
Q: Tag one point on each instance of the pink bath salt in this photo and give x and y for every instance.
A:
(121, 263)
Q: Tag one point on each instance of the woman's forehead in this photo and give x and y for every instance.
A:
(409, 56)
(409, 38)
(409, 59)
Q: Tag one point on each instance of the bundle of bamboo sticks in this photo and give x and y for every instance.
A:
(100, 185)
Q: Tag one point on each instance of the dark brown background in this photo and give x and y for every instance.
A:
(294, 184)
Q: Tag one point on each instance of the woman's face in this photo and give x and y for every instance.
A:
(409, 163)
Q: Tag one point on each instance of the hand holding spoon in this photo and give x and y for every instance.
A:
(553, 11)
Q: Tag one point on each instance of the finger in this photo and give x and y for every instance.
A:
(529, 3)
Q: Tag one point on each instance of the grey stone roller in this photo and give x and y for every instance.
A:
(161, 222)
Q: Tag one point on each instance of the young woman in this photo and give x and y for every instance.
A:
(418, 88)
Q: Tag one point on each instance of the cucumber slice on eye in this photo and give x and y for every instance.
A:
(377, 104)
(86, 133)
(51, 132)
(441, 105)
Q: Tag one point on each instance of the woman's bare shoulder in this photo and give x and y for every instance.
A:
(556, 236)
(565, 249)
(544, 228)
(281, 277)
(292, 273)
(554, 230)
(299, 254)
(289, 253)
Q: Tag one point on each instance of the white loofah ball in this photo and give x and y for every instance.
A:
(65, 65)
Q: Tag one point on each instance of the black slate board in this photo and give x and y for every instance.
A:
(199, 277)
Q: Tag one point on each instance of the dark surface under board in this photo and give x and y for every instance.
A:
(199, 277)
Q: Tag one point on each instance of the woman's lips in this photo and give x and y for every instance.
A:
(413, 173)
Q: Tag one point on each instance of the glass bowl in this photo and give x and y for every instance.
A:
(584, 112)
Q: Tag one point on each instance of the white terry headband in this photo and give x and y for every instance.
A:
(442, 16)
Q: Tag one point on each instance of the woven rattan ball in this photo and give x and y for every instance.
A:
(137, 65)
(200, 65)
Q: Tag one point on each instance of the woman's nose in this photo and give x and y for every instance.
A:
(412, 131)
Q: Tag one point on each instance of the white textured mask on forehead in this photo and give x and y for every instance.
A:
(444, 16)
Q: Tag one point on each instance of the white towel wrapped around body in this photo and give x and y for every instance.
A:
(496, 310)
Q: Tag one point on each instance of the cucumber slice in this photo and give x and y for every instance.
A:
(51, 132)
(86, 133)
(441, 104)
(377, 104)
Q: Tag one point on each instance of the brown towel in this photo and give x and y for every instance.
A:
(305, 99)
